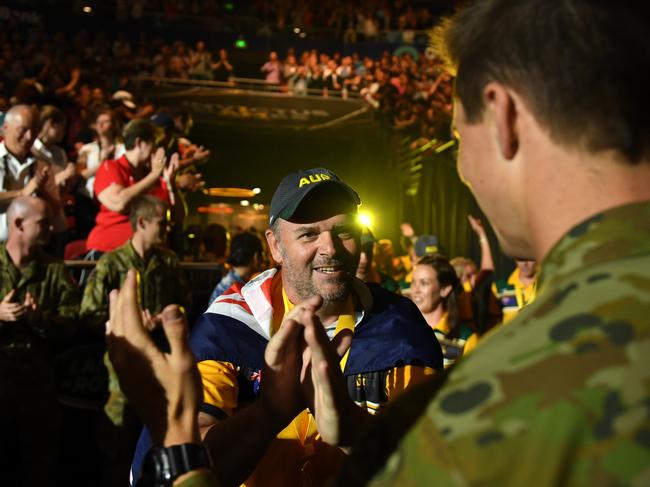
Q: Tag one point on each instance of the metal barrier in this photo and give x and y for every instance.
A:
(251, 86)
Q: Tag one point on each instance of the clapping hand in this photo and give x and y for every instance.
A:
(9, 311)
(164, 389)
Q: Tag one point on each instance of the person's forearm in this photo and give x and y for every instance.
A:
(487, 261)
(238, 443)
(124, 197)
(88, 172)
(6, 197)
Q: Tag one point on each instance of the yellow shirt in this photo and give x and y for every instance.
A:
(298, 456)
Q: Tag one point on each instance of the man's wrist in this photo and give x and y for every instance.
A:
(182, 431)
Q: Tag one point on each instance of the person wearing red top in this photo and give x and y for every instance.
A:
(119, 181)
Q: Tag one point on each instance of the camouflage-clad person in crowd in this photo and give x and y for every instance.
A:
(556, 147)
(39, 307)
(161, 282)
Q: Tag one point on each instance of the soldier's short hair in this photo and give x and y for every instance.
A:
(147, 207)
(138, 129)
(580, 65)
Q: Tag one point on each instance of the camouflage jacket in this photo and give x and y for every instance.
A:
(161, 282)
(47, 279)
(560, 396)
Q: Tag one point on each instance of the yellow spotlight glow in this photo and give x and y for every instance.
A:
(244, 202)
(87, 9)
(365, 219)
(257, 190)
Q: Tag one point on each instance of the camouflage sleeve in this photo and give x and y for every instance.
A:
(94, 305)
(61, 315)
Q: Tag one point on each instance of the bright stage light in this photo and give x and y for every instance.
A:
(257, 190)
(365, 219)
(244, 202)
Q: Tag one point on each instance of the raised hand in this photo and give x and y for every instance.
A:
(338, 419)
(37, 182)
(158, 162)
(190, 181)
(477, 225)
(282, 395)
(407, 230)
(164, 389)
(170, 171)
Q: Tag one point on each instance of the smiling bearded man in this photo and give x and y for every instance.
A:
(384, 343)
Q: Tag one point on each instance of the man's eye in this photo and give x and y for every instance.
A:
(308, 235)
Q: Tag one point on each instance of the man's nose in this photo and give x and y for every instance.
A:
(326, 244)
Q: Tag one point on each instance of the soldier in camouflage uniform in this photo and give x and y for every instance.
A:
(555, 145)
(161, 282)
(40, 306)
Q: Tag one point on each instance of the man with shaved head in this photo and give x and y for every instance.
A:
(39, 304)
(21, 174)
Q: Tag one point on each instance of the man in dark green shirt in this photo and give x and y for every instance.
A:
(39, 306)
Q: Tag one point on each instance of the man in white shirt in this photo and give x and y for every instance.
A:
(20, 173)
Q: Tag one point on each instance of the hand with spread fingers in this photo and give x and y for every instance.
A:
(10, 311)
(164, 389)
(282, 395)
(339, 420)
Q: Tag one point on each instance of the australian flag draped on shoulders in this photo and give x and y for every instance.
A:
(391, 347)
(390, 332)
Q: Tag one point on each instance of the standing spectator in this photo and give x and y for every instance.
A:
(119, 181)
(272, 69)
(161, 282)
(46, 149)
(20, 173)
(200, 62)
(39, 307)
(105, 146)
(222, 70)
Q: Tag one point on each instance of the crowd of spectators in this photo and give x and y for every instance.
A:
(349, 22)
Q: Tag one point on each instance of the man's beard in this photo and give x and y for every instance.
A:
(301, 281)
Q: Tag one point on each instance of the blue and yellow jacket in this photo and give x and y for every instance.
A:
(392, 348)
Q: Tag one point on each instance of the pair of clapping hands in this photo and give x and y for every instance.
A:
(11, 312)
(301, 370)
